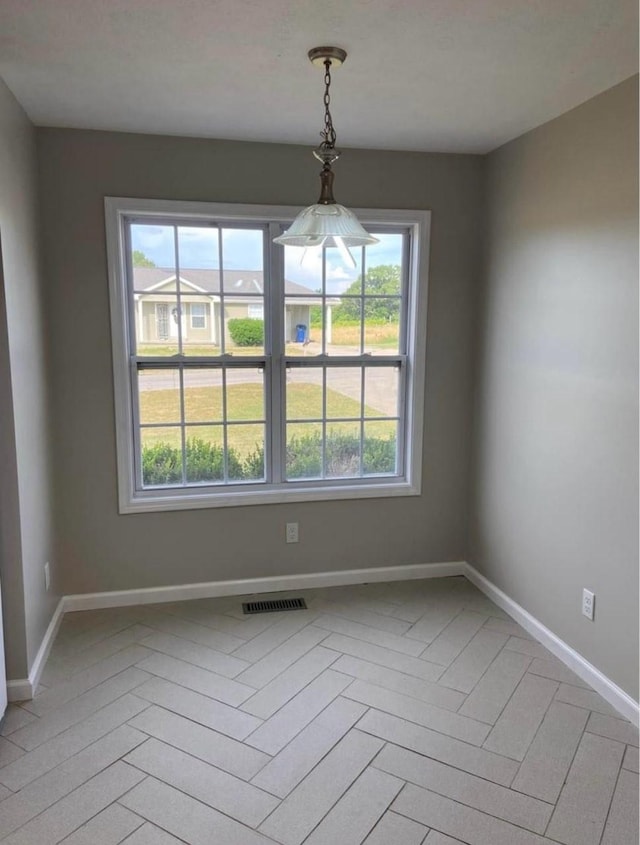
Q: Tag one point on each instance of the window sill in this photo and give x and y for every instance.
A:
(155, 501)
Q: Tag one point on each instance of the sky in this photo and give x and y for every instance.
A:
(242, 249)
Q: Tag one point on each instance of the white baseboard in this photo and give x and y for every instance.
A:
(610, 691)
(20, 690)
(250, 586)
(23, 689)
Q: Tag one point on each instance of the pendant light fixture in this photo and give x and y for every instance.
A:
(327, 224)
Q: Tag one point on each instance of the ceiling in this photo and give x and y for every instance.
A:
(438, 75)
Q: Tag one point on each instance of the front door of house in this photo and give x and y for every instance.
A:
(162, 321)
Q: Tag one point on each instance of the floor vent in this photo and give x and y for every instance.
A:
(273, 605)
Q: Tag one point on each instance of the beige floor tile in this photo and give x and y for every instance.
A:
(77, 808)
(367, 634)
(358, 811)
(196, 612)
(60, 694)
(297, 759)
(217, 640)
(435, 838)
(449, 643)
(437, 615)
(494, 689)
(188, 819)
(622, 823)
(206, 783)
(436, 718)
(50, 754)
(99, 626)
(448, 750)
(461, 822)
(9, 751)
(272, 736)
(280, 658)
(309, 802)
(212, 747)
(618, 729)
(42, 793)
(109, 827)
(548, 758)
(586, 698)
(393, 829)
(473, 661)
(384, 657)
(551, 667)
(473, 791)
(356, 613)
(506, 626)
(196, 654)
(194, 678)
(149, 834)
(199, 708)
(630, 761)
(515, 729)
(15, 717)
(60, 718)
(289, 683)
(427, 691)
(275, 635)
(581, 811)
(58, 670)
(526, 646)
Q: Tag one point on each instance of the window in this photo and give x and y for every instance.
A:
(256, 312)
(198, 315)
(305, 377)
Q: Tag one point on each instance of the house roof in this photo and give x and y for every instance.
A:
(243, 282)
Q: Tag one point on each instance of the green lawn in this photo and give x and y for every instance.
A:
(245, 402)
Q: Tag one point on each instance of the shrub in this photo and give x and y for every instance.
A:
(246, 331)
(304, 456)
(342, 454)
(162, 462)
(379, 455)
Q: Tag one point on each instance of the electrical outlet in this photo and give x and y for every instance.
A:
(292, 532)
(47, 576)
(588, 604)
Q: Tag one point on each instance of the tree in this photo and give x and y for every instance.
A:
(383, 280)
(140, 259)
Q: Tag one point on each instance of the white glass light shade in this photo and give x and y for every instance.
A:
(330, 225)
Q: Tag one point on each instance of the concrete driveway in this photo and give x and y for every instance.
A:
(381, 382)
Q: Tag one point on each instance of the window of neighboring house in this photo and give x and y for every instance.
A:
(256, 312)
(251, 413)
(198, 315)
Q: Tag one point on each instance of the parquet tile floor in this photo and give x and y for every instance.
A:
(385, 714)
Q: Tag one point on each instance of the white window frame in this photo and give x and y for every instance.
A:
(202, 316)
(133, 500)
(258, 309)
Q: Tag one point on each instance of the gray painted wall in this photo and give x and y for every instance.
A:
(101, 550)
(25, 487)
(555, 492)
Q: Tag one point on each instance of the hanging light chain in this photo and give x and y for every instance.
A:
(328, 133)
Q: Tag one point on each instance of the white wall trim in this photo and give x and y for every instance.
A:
(23, 689)
(610, 691)
(249, 586)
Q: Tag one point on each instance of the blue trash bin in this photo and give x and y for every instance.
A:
(301, 333)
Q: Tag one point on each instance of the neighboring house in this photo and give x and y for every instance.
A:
(201, 300)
